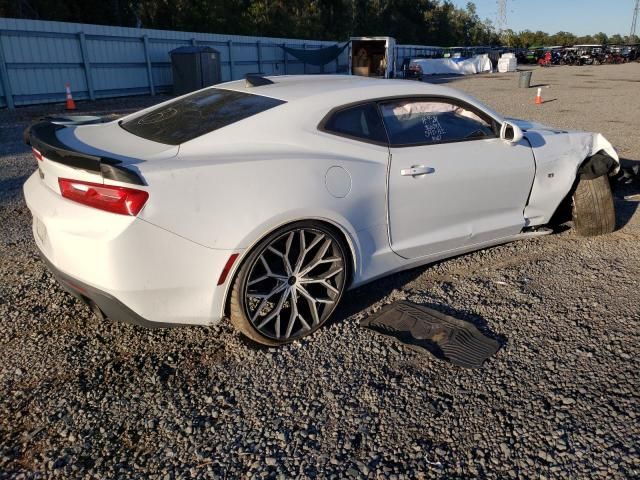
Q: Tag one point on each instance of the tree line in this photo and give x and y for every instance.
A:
(420, 22)
(527, 38)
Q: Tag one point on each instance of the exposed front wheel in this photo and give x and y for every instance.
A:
(593, 211)
(290, 284)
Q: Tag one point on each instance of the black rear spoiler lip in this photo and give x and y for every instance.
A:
(42, 136)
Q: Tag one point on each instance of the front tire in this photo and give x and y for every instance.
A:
(593, 211)
(290, 284)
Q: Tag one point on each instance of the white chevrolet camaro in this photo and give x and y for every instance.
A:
(263, 200)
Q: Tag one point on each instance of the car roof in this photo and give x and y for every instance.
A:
(338, 90)
(308, 92)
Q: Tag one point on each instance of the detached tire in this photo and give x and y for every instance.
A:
(289, 284)
(593, 211)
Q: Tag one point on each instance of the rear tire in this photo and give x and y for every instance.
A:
(290, 284)
(593, 211)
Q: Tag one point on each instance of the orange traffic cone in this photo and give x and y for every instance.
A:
(71, 105)
(539, 97)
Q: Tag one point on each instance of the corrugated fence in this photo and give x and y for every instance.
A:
(37, 58)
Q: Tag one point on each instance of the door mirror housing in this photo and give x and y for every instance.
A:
(510, 132)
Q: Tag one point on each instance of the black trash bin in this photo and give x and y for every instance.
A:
(194, 67)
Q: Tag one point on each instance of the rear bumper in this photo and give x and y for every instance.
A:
(107, 305)
(132, 270)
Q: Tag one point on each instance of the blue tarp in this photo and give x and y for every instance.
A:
(317, 56)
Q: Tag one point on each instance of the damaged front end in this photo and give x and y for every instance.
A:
(562, 157)
(597, 165)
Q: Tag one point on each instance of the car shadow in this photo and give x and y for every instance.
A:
(11, 139)
(626, 191)
(11, 187)
(625, 210)
(361, 298)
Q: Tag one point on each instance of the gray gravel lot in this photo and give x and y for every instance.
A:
(84, 398)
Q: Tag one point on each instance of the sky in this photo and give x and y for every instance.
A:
(581, 17)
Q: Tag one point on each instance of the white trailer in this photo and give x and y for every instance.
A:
(372, 56)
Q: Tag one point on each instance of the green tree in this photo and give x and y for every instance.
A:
(616, 39)
(509, 38)
(585, 40)
(563, 38)
(631, 40)
(601, 38)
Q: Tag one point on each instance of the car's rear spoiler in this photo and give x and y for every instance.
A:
(42, 136)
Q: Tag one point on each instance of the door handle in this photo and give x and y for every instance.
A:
(416, 170)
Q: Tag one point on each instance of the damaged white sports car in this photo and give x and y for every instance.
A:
(264, 200)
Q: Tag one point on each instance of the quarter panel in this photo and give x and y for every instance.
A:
(231, 198)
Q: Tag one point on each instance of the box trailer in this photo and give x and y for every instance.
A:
(372, 56)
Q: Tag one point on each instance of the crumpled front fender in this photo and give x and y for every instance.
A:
(558, 157)
(602, 144)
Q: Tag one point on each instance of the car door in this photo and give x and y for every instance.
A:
(453, 183)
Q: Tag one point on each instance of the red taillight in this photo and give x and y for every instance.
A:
(122, 200)
(36, 154)
(227, 268)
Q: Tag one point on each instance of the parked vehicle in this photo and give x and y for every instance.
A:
(547, 56)
(411, 70)
(569, 56)
(266, 200)
(532, 55)
(590, 54)
(621, 53)
(630, 53)
(545, 60)
(612, 57)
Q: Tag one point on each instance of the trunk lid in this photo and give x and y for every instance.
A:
(100, 153)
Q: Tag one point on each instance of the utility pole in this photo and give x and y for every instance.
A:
(501, 22)
(634, 22)
(502, 15)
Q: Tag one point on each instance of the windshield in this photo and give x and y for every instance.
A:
(194, 115)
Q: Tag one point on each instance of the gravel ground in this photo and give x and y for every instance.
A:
(84, 398)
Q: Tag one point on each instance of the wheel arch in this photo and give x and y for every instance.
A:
(594, 166)
(345, 235)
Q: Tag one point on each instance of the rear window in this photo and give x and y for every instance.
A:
(196, 114)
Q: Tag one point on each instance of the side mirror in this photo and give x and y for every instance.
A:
(510, 132)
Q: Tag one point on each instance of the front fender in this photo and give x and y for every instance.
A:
(559, 155)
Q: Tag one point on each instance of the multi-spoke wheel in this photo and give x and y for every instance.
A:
(289, 284)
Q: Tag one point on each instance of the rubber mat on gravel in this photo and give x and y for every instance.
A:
(421, 328)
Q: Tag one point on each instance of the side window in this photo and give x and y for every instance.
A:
(361, 122)
(419, 122)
